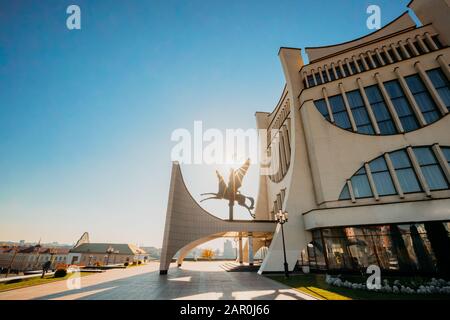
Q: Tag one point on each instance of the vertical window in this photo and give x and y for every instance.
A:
(346, 70)
(408, 48)
(353, 67)
(430, 168)
(437, 42)
(423, 98)
(360, 184)
(441, 84)
(318, 79)
(384, 57)
(382, 177)
(401, 105)
(376, 60)
(311, 81)
(369, 63)
(325, 76)
(405, 173)
(321, 105)
(332, 76)
(338, 72)
(446, 152)
(345, 194)
(392, 55)
(401, 53)
(361, 65)
(339, 112)
(418, 47)
(380, 110)
(359, 112)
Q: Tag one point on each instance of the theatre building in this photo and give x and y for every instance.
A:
(361, 140)
(365, 150)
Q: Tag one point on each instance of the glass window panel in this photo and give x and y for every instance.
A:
(400, 159)
(383, 183)
(424, 155)
(378, 165)
(408, 180)
(345, 194)
(338, 72)
(401, 105)
(339, 112)
(441, 84)
(380, 110)
(434, 177)
(321, 105)
(361, 186)
(376, 60)
(446, 152)
(423, 98)
(361, 65)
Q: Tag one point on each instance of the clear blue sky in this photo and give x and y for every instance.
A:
(86, 115)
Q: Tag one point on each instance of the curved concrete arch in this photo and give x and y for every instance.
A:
(187, 222)
(186, 249)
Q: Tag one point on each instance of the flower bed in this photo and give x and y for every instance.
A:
(433, 286)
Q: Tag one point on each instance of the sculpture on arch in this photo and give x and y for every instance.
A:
(231, 191)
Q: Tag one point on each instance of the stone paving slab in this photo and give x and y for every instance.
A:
(194, 280)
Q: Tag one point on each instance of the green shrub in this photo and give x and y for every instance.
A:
(126, 264)
(139, 262)
(60, 273)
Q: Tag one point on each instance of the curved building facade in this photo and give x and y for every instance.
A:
(364, 150)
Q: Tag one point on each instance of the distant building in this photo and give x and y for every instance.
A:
(86, 253)
(31, 257)
(228, 251)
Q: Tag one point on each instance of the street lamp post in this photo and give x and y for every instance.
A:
(115, 255)
(282, 218)
(109, 251)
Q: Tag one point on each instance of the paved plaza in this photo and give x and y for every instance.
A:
(195, 280)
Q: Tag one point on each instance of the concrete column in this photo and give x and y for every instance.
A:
(319, 69)
(412, 46)
(405, 52)
(371, 181)
(286, 144)
(434, 94)
(355, 61)
(241, 257)
(250, 249)
(397, 55)
(377, 52)
(282, 154)
(333, 68)
(364, 62)
(305, 77)
(422, 44)
(342, 69)
(314, 77)
(444, 65)
(350, 190)
(325, 96)
(410, 97)
(418, 171)
(373, 120)
(442, 160)
(327, 72)
(394, 177)
(389, 104)
(430, 41)
(348, 66)
(386, 52)
(369, 55)
(347, 107)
